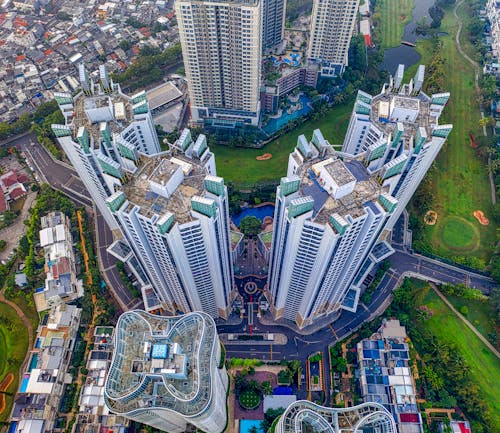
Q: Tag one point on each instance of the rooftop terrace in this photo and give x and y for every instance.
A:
(160, 170)
(343, 172)
(161, 362)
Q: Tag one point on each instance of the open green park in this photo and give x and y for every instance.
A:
(483, 365)
(239, 165)
(13, 348)
(459, 176)
(392, 16)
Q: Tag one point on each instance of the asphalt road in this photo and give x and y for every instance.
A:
(64, 178)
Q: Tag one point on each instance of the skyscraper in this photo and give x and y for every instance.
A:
(304, 415)
(168, 372)
(273, 22)
(104, 133)
(332, 26)
(222, 50)
(397, 134)
(334, 210)
(329, 212)
(174, 214)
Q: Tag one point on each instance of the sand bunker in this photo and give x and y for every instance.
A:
(264, 157)
(479, 215)
(7, 380)
(430, 217)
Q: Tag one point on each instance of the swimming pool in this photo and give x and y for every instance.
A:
(24, 383)
(247, 424)
(33, 362)
(276, 124)
(259, 212)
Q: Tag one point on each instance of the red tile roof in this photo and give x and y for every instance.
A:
(17, 192)
(3, 202)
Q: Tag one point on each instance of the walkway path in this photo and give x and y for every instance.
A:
(475, 65)
(467, 323)
(28, 325)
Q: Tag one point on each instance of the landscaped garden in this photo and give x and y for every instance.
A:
(249, 399)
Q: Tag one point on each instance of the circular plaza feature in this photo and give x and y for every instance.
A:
(249, 399)
(250, 288)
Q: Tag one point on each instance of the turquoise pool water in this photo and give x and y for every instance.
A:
(247, 424)
(24, 383)
(276, 124)
(33, 362)
(259, 212)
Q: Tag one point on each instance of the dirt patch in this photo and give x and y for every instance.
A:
(430, 217)
(264, 157)
(473, 141)
(7, 380)
(479, 215)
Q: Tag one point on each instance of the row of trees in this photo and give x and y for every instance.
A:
(148, 67)
(25, 121)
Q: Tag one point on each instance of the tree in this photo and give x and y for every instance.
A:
(3, 244)
(269, 417)
(250, 226)
(125, 44)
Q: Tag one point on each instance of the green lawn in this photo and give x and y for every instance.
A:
(481, 314)
(239, 165)
(13, 348)
(249, 399)
(484, 365)
(392, 16)
(459, 176)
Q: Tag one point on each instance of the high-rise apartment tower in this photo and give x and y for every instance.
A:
(332, 26)
(397, 133)
(167, 372)
(174, 215)
(273, 22)
(222, 50)
(104, 133)
(329, 212)
(303, 415)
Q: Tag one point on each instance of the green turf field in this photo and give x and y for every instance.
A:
(13, 348)
(484, 365)
(392, 16)
(239, 165)
(459, 176)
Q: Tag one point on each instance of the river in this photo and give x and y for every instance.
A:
(403, 53)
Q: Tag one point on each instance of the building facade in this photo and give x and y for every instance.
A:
(332, 26)
(222, 50)
(44, 379)
(305, 416)
(386, 378)
(61, 283)
(104, 134)
(397, 133)
(329, 213)
(167, 372)
(174, 215)
(273, 23)
(93, 415)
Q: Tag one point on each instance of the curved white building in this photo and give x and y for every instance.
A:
(303, 416)
(165, 372)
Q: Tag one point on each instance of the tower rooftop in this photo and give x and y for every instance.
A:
(161, 362)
